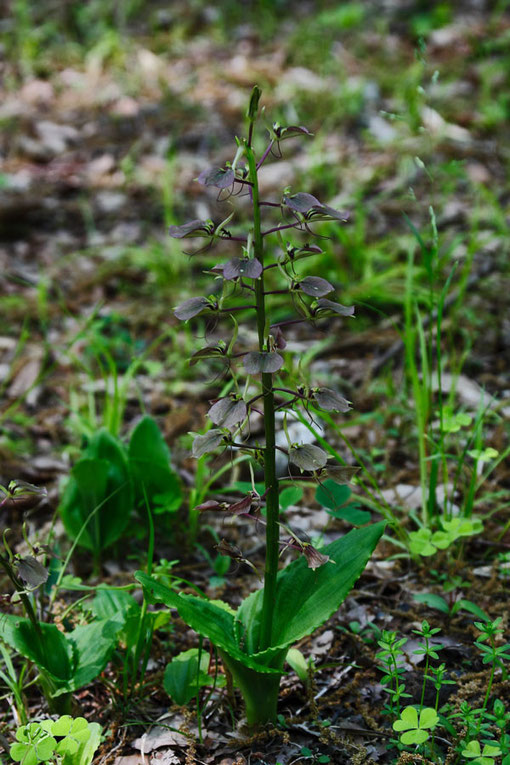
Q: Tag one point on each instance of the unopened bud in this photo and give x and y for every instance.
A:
(254, 103)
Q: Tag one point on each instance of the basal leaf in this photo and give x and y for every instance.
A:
(149, 460)
(299, 664)
(208, 618)
(468, 605)
(86, 490)
(305, 599)
(183, 677)
(116, 605)
(101, 479)
(93, 646)
(52, 653)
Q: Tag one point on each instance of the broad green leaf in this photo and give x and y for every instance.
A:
(332, 495)
(121, 607)
(335, 497)
(433, 601)
(149, 460)
(206, 617)
(351, 513)
(468, 605)
(86, 490)
(52, 654)
(305, 599)
(99, 481)
(93, 645)
(183, 677)
(116, 605)
(87, 749)
(291, 495)
(298, 663)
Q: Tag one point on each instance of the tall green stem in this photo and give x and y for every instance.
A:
(271, 483)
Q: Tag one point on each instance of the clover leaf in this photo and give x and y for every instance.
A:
(420, 542)
(34, 745)
(415, 726)
(478, 757)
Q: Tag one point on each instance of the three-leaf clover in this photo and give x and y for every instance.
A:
(34, 745)
(478, 757)
(75, 731)
(67, 739)
(414, 725)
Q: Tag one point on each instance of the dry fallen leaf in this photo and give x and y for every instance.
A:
(25, 372)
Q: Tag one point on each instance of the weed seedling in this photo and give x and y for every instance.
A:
(492, 654)
(392, 666)
(427, 649)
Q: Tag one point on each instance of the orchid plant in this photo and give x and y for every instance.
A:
(254, 640)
